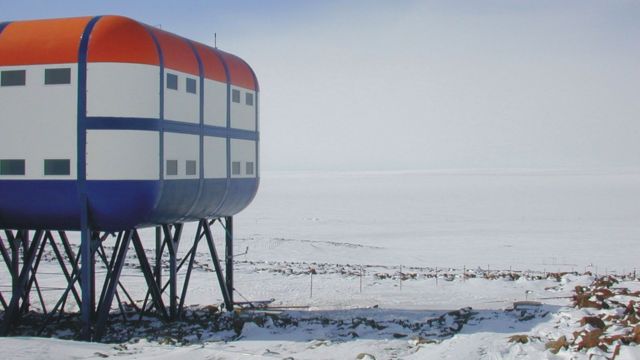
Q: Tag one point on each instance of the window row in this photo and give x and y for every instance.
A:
(51, 167)
(55, 76)
(236, 167)
(171, 167)
(248, 97)
(190, 83)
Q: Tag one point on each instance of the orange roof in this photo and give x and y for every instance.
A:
(116, 39)
(240, 73)
(50, 41)
(176, 51)
(120, 39)
(212, 63)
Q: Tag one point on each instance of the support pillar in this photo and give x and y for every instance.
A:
(87, 274)
(228, 257)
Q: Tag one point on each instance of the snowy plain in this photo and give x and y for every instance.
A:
(359, 232)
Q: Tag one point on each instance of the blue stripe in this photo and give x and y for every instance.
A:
(228, 78)
(4, 25)
(160, 114)
(257, 122)
(201, 139)
(119, 123)
(115, 204)
(81, 116)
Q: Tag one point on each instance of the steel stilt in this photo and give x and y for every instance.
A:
(228, 256)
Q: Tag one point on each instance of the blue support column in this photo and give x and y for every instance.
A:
(111, 283)
(216, 264)
(87, 274)
(228, 257)
(159, 251)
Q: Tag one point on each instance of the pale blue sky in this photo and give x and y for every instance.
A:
(368, 85)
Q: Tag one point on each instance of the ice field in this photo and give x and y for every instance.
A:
(554, 220)
(356, 230)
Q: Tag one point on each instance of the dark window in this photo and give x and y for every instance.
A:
(249, 168)
(57, 76)
(249, 99)
(235, 168)
(191, 85)
(13, 78)
(12, 167)
(172, 81)
(191, 167)
(172, 167)
(235, 96)
(57, 166)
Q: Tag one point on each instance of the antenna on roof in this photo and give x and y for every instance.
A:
(215, 40)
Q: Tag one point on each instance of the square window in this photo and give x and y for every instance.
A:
(172, 167)
(235, 168)
(57, 166)
(191, 167)
(249, 167)
(191, 85)
(13, 78)
(57, 76)
(249, 99)
(12, 167)
(172, 81)
(235, 96)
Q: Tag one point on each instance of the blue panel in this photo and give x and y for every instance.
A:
(39, 204)
(121, 204)
(117, 204)
(210, 199)
(120, 123)
(176, 200)
(240, 194)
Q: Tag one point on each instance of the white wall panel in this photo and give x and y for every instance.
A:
(215, 157)
(182, 147)
(215, 103)
(123, 90)
(179, 105)
(243, 151)
(122, 155)
(243, 116)
(38, 121)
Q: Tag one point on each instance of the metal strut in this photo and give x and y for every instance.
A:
(22, 256)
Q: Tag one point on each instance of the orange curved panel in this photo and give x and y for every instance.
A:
(177, 52)
(240, 73)
(120, 39)
(51, 41)
(213, 67)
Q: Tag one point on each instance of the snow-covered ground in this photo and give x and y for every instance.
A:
(361, 233)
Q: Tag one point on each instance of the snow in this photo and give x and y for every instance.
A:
(457, 238)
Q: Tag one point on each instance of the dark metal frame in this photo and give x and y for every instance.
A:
(26, 248)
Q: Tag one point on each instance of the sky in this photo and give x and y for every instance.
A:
(420, 85)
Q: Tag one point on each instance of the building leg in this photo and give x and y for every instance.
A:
(87, 274)
(228, 256)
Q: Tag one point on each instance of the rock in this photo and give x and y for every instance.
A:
(635, 335)
(556, 345)
(522, 339)
(590, 339)
(419, 340)
(594, 321)
(365, 356)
